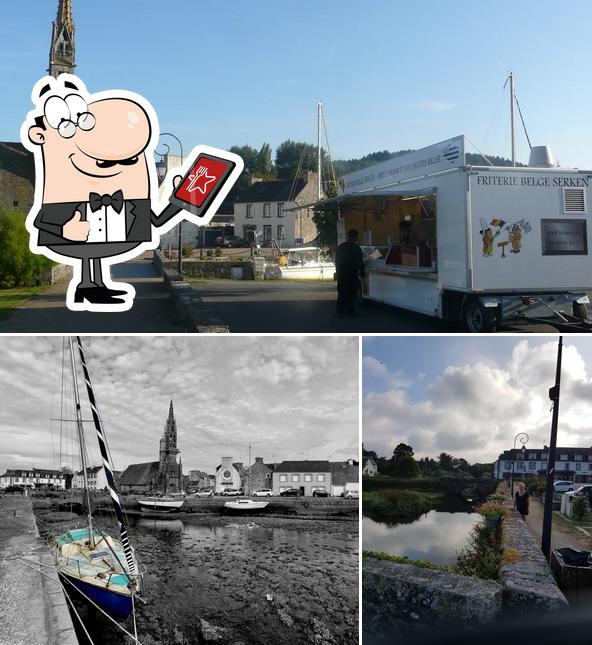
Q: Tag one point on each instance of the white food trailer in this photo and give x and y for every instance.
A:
(474, 243)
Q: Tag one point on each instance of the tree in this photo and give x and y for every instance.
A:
(326, 222)
(264, 167)
(294, 158)
(445, 461)
(400, 451)
(406, 466)
(18, 266)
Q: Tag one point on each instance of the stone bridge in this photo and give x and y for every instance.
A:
(468, 489)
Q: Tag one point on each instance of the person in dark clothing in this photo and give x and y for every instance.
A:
(521, 500)
(349, 266)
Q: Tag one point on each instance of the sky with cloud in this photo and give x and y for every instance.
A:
(289, 397)
(470, 396)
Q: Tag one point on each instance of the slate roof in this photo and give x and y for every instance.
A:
(342, 473)
(139, 474)
(15, 158)
(280, 190)
(90, 470)
(571, 453)
(303, 467)
(37, 472)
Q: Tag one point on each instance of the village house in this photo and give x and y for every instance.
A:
(97, 480)
(369, 468)
(39, 478)
(306, 476)
(262, 208)
(229, 475)
(259, 475)
(574, 464)
(198, 480)
(345, 476)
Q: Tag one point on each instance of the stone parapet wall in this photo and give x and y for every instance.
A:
(208, 269)
(525, 575)
(395, 595)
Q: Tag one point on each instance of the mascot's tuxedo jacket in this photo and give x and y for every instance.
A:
(52, 217)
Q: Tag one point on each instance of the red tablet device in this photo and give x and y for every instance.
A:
(204, 180)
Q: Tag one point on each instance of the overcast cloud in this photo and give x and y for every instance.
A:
(474, 409)
(289, 397)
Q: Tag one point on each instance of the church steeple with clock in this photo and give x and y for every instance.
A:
(62, 52)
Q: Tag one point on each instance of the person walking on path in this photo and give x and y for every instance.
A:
(349, 266)
(521, 500)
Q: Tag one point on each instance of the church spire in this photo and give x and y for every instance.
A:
(62, 51)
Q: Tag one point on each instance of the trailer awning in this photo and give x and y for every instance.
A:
(354, 198)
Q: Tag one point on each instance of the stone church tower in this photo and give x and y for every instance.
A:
(170, 472)
(62, 52)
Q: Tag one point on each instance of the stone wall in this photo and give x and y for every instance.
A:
(209, 269)
(56, 274)
(405, 598)
(526, 578)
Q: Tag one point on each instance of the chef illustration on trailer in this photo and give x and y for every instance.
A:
(96, 201)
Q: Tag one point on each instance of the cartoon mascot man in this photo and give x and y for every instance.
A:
(95, 190)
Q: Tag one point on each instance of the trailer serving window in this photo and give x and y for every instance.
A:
(397, 230)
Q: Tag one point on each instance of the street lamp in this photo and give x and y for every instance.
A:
(523, 440)
(169, 134)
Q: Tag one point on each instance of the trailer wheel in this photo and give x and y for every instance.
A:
(580, 310)
(478, 318)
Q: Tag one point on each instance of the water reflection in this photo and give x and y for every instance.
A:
(436, 537)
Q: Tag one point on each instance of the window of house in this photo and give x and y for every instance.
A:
(295, 478)
(266, 210)
(578, 466)
(519, 455)
(508, 465)
(545, 455)
(578, 457)
(320, 478)
(532, 455)
(280, 230)
(15, 202)
(563, 457)
(283, 478)
(280, 210)
(249, 210)
(267, 232)
(532, 465)
(565, 466)
(307, 478)
(520, 466)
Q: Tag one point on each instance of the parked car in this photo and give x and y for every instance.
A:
(320, 493)
(263, 492)
(563, 487)
(352, 494)
(585, 490)
(232, 241)
(231, 492)
(290, 492)
(204, 493)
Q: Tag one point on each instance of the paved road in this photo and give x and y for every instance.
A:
(559, 537)
(152, 311)
(284, 306)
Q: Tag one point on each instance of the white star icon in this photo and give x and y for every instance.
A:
(200, 176)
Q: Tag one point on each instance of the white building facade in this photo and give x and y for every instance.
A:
(97, 480)
(264, 209)
(33, 478)
(573, 464)
(306, 476)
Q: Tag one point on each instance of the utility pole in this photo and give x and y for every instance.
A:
(513, 119)
(548, 512)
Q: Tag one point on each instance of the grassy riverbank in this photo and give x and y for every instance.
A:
(394, 505)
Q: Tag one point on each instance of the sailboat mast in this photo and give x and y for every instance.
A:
(512, 119)
(81, 443)
(107, 467)
(319, 149)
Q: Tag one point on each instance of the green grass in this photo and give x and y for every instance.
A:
(12, 298)
(402, 559)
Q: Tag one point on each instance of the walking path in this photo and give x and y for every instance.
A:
(563, 533)
(152, 311)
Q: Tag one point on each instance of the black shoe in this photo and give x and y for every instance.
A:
(111, 292)
(96, 295)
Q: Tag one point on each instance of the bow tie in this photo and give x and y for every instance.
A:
(97, 201)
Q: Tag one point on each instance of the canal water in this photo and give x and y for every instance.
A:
(437, 536)
(270, 580)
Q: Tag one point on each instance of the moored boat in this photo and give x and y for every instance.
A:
(160, 504)
(245, 505)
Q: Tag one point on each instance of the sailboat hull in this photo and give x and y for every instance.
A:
(116, 605)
